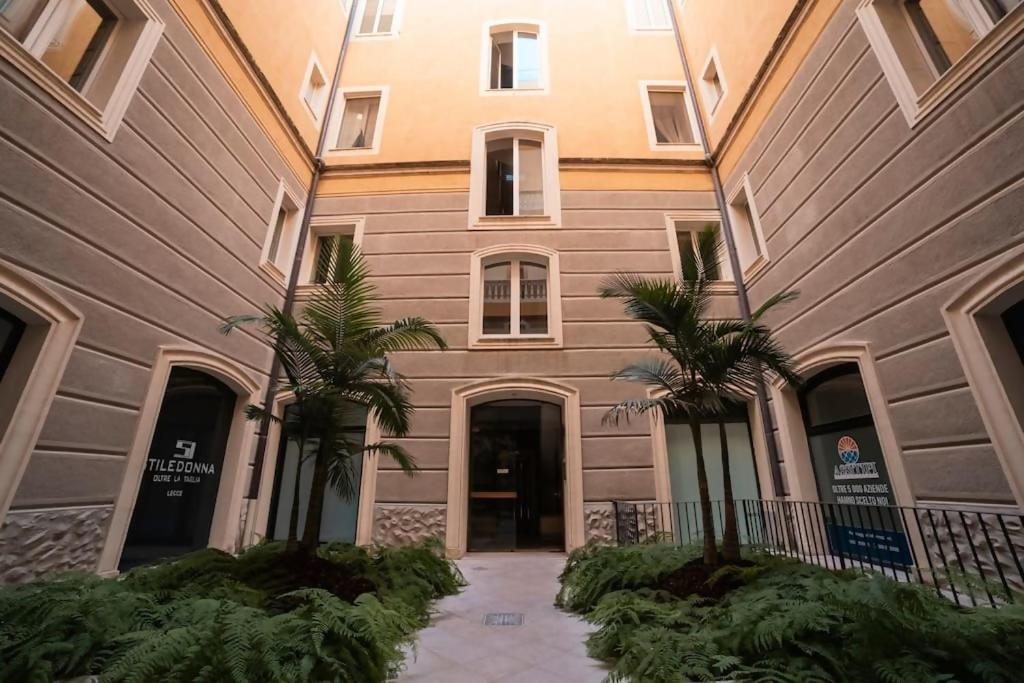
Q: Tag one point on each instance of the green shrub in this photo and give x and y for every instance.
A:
(211, 616)
(789, 622)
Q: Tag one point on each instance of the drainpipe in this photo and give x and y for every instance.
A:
(734, 261)
(293, 278)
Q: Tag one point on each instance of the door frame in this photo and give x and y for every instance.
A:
(465, 397)
(224, 528)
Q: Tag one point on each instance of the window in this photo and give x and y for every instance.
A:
(514, 298)
(281, 233)
(747, 233)
(379, 18)
(314, 88)
(920, 41)
(91, 50)
(712, 84)
(683, 229)
(514, 176)
(515, 60)
(327, 235)
(356, 124)
(11, 329)
(668, 115)
(647, 15)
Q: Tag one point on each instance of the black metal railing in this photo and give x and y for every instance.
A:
(970, 556)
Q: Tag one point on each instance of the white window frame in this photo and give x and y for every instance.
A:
(647, 87)
(744, 194)
(277, 269)
(707, 91)
(514, 252)
(917, 102)
(634, 20)
(115, 77)
(546, 135)
(726, 282)
(338, 112)
(326, 226)
(387, 35)
(316, 108)
(516, 25)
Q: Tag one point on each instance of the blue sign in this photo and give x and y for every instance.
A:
(873, 546)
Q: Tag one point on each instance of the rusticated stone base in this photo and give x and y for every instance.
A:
(973, 544)
(37, 542)
(400, 524)
(599, 523)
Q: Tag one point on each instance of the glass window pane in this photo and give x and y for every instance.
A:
(657, 11)
(11, 329)
(328, 251)
(387, 17)
(82, 30)
(837, 399)
(18, 16)
(369, 16)
(275, 238)
(671, 122)
(502, 50)
(531, 179)
(533, 298)
(527, 61)
(358, 122)
(497, 298)
(499, 178)
(945, 29)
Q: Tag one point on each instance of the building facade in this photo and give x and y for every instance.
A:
(495, 161)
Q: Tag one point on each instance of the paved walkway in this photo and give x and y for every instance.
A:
(548, 648)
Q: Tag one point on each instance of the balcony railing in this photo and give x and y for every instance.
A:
(970, 556)
(501, 290)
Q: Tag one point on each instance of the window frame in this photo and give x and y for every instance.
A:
(338, 113)
(744, 195)
(378, 35)
(516, 25)
(726, 282)
(289, 234)
(326, 226)
(707, 90)
(646, 88)
(918, 100)
(514, 253)
(634, 20)
(314, 110)
(543, 133)
(113, 78)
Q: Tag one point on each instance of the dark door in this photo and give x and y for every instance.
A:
(516, 476)
(849, 469)
(179, 485)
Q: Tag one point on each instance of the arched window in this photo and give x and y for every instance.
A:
(514, 298)
(514, 176)
(515, 58)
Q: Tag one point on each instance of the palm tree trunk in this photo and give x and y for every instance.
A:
(315, 509)
(731, 535)
(293, 517)
(707, 519)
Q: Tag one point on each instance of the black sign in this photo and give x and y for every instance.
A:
(178, 492)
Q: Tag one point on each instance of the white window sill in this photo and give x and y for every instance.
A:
(350, 152)
(754, 268)
(505, 92)
(513, 222)
(516, 342)
(273, 271)
(676, 147)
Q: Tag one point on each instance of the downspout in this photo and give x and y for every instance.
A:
(734, 261)
(293, 278)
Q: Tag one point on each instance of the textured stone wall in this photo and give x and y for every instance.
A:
(599, 523)
(974, 539)
(404, 524)
(36, 542)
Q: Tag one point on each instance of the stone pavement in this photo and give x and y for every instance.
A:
(548, 648)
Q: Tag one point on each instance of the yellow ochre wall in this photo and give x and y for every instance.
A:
(433, 70)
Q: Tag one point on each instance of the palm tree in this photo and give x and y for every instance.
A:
(704, 367)
(335, 360)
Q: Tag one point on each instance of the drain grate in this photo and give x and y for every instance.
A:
(503, 619)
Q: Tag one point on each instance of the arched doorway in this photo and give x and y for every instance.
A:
(516, 476)
(178, 491)
(849, 468)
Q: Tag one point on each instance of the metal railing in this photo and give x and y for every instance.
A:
(969, 556)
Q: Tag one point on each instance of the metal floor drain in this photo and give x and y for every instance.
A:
(503, 619)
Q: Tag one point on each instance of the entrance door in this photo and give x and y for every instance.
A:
(178, 493)
(850, 470)
(338, 521)
(516, 477)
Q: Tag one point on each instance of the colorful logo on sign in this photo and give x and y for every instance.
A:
(849, 451)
